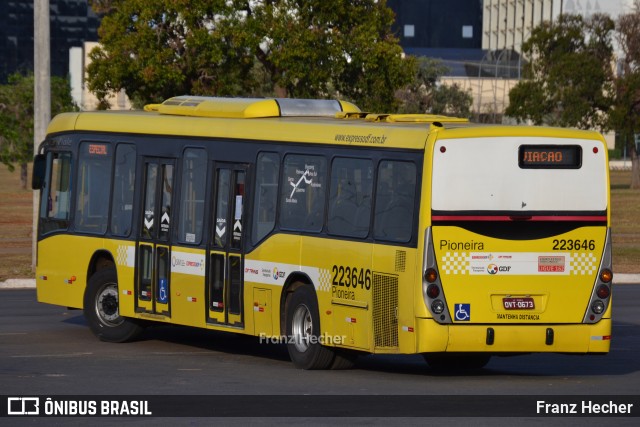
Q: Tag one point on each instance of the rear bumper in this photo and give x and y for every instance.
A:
(573, 338)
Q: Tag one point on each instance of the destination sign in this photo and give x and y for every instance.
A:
(550, 156)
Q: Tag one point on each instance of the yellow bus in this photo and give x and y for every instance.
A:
(336, 232)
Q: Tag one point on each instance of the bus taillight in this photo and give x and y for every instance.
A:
(606, 276)
(431, 275)
(437, 306)
(597, 307)
(603, 291)
(433, 291)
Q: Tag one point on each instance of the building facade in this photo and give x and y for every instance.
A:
(72, 23)
(438, 24)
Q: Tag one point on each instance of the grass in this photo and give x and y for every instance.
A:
(625, 220)
(16, 207)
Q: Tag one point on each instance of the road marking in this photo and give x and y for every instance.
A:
(27, 356)
(179, 353)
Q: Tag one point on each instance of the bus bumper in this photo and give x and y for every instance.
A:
(574, 338)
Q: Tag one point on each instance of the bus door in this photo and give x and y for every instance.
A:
(225, 292)
(153, 256)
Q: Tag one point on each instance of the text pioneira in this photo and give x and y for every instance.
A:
(461, 246)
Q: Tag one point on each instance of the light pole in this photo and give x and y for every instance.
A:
(41, 95)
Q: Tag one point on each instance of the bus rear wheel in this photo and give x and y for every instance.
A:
(344, 359)
(303, 331)
(101, 309)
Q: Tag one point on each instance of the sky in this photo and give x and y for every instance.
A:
(587, 7)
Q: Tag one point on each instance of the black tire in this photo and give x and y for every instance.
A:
(303, 328)
(344, 359)
(457, 361)
(101, 309)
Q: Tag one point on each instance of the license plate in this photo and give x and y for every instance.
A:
(518, 303)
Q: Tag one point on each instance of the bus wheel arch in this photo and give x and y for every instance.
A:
(99, 261)
(101, 309)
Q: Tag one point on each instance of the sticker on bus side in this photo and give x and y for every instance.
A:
(518, 263)
(462, 312)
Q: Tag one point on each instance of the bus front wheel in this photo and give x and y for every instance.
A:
(303, 331)
(102, 311)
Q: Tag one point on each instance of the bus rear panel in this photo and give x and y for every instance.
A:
(518, 257)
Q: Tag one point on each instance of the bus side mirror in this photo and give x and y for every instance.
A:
(39, 170)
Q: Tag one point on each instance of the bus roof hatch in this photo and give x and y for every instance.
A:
(204, 106)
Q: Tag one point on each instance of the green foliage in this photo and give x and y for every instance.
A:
(625, 114)
(425, 95)
(569, 80)
(305, 49)
(452, 101)
(16, 115)
(163, 48)
(615, 154)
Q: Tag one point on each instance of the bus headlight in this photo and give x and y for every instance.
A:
(597, 307)
(437, 306)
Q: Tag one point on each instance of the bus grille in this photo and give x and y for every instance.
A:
(401, 261)
(385, 307)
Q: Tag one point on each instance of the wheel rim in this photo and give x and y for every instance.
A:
(301, 328)
(107, 305)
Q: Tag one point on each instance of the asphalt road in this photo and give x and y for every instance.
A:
(48, 350)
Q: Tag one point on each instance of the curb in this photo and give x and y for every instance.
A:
(18, 284)
(618, 279)
(629, 279)
(620, 165)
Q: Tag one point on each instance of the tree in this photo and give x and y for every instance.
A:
(312, 48)
(569, 79)
(159, 49)
(625, 115)
(425, 95)
(16, 118)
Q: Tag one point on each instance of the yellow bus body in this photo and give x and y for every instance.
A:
(391, 315)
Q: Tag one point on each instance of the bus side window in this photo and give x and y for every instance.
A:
(350, 197)
(123, 186)
(93, 188)
(302, 197)
(192, 194)
(395, 201)
(55, 200)
(266, 195)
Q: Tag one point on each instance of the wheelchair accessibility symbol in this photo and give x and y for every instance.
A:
(163, 290)
(462, 312)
